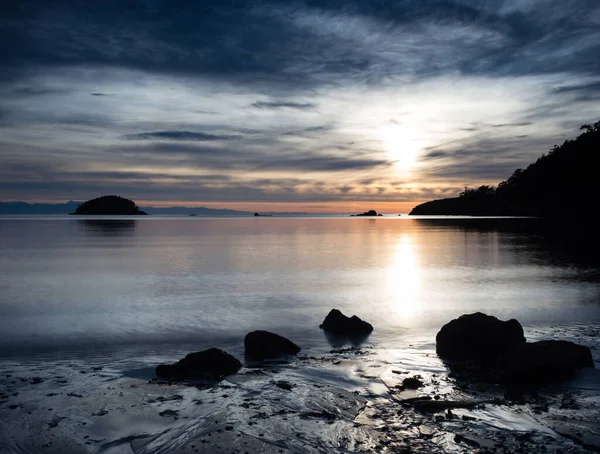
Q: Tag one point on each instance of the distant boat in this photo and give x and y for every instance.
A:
(192, 214)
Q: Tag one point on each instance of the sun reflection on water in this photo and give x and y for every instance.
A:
(404, 278)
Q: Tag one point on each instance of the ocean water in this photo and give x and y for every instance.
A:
(159, 285)
(90, 306)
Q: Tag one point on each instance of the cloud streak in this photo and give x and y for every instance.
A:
(184, 136)
(283, 105)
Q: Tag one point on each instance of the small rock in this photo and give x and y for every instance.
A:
(462, 439)
(284, 384)
(337, 323)
(264, 345)
(412, 382)
(211, 364)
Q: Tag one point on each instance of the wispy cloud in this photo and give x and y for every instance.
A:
(283, 105)
(187, 136)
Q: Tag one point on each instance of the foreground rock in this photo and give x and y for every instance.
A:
(545, 361)
(485, 349)
(337, 323)
(478, 336)
(212, 364)
(265, 345)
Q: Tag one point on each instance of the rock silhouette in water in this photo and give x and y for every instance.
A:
(477, 336)
(367, 213)
(264, 345)
(487, 349)
(544, 361)
(109, 205)
(337, 323)
(212, 364)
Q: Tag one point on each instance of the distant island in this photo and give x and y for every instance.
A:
(24, 208)
(109, 205)
(563, 181)
(368, 213)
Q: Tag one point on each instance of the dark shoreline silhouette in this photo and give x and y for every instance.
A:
(561, 181)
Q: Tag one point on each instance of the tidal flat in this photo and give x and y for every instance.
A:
(349, 399)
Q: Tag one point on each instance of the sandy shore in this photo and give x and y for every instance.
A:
(346, 400)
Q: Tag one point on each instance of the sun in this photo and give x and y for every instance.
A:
(402, 144)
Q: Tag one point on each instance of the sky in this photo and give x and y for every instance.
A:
(318, 106)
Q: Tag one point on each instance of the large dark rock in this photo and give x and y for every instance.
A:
(478, 336)
(212, 364)
(264, 345)
(487, 349)
(545, 361)
(337, 323)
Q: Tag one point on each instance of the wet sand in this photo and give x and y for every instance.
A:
(341, 400)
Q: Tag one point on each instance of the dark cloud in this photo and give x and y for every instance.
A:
(272, 41)
(248, 159)
(323, 164)
(188, 136)
(511, 125)
(470, 172)
(438, 154)
(27, 91)
(581, 92)
(591, 87)
(138, 176)
(478, 126)
(284, 105)
(309, 131)
(483, 159)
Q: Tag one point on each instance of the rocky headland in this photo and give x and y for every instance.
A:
(559, 182)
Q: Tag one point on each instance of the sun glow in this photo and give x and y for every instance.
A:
(402, 144)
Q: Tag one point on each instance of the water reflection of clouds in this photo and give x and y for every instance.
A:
(404, 278)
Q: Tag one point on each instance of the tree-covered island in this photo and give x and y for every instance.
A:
(109, 205)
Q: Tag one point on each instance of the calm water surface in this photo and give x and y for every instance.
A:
(159, 285)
